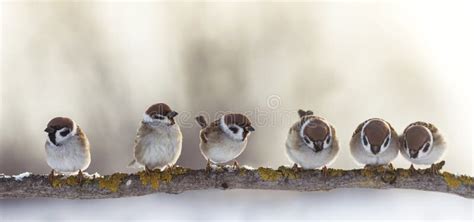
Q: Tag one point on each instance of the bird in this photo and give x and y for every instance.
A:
(312, 142)
(374, 143)
(67, 147)
(224, 139)
(421, 143)
(159, 139)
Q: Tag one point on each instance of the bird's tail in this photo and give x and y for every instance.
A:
(134, 164)
(302, 113)
(201, 121)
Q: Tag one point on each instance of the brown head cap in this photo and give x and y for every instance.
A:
(416, 137)
(316, 130)
(376, 131)
(239, 120)
(59, 123)
(159, 108)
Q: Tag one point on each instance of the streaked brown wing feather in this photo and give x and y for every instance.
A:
(359, 128)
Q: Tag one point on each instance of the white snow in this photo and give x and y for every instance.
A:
(128, 183)
(247, 167)
(4, 176)
(90, 176)
(250, 205)
(20, 176)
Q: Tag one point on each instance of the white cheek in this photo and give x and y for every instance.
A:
(327, 145)
(311, 145)
(147, 118)
(422, 154)
(59, 138)
(366, 147)
(239, 135)
(388, 144)
(165, 121)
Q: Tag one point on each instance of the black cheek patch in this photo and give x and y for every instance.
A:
(234, 129)
(364, 139)
(386, 142)
(425, 149)
(52, 138)
(306, 140)
(65, 132)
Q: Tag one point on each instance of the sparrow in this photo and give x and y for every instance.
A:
(159, 140)
(311, 142)
(67, 147)
(225, 138)
(421, 143)
(374, 142)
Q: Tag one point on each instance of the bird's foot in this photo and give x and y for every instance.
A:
(51, 177)
(170, 167)
(148, 171)
(236, 165)
(208, 167)
(434, 170)
(80, 177)
(295, 168)
(325, 172)
(388, 175)
(412, 169)
(436, 167)
(390, 166)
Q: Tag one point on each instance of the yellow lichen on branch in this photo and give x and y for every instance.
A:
(154, 177)
(112, 182)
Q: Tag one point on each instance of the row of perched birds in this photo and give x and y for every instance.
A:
(312, 142)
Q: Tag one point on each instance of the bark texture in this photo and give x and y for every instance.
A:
(180, 179)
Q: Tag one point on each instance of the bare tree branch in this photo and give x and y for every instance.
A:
(180, 179)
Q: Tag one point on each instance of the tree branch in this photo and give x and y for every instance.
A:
(180, 179)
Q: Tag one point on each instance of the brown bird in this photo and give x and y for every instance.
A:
(159, 140)
(374, 142)
(422, 143)
(311, 142)
(224, 139)
(67, 147)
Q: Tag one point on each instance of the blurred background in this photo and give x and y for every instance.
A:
(103, 64)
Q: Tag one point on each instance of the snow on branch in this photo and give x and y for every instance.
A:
(180, 179)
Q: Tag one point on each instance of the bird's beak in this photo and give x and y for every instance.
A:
(375, 149)
(413, 153)
(49, 130)
(172, 114)
(318, 146)
(250, 128)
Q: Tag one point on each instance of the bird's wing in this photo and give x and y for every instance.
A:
(359, 128)
(303, 113)
(430, 126)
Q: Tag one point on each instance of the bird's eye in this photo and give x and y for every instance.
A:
(385, 144)
(328, 139)
(425, 148)
(160, 117)
(65, 132)
(364, 139)
(306, 140)
(234, 129)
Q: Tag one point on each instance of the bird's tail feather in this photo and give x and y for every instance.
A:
(201, 121)
(134, 164)
(302, 113)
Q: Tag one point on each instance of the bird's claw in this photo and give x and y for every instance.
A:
(236, 165)
(295, 168)
(51, 177)
(325, 172)
(412, 169)
(80, 177)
